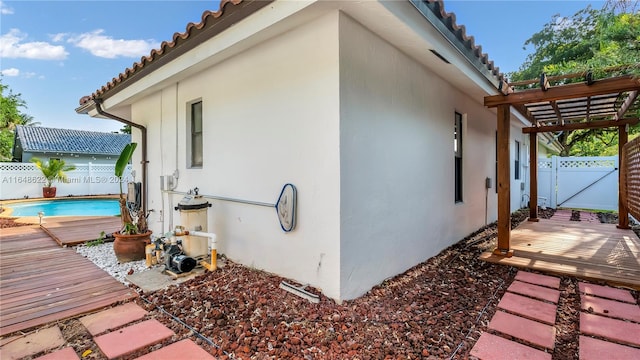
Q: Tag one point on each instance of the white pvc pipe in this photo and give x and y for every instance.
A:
(212, 237)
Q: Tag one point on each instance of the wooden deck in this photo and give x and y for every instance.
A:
(593, 251)
(41, 282)
(79, 230)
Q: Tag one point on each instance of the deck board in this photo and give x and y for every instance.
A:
(76, 232)
(593, 251)
(41, 282)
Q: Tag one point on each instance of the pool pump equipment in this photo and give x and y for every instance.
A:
(193, 215)
(176, 261)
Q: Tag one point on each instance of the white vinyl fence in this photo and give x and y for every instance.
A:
(578, 182)
(21, 180)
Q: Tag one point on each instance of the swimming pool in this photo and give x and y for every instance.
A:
(64, 207)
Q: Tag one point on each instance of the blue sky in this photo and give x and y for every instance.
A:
(55, 52)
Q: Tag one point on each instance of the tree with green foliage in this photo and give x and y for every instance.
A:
(590, 40)
(11, 116)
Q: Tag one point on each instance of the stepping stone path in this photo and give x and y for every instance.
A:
(117, 331)
(523, 325)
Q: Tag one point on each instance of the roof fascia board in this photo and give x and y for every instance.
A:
(426, 11)
(211, 51)
(433, 38)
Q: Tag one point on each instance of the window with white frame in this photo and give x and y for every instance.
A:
(457, 151)
(194, 140)
(517, 161)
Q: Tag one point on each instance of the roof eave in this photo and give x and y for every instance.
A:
(433, 12)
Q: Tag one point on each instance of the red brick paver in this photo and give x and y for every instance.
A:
(535, 291)
(184, 349)
(63, 354)
(132, 338)
(32, 344)
(594, 349)
(491, 347)
(611, 308)
(606, 292)
(524, 329)
(113, 318)
(612, 329)
(537, 279)
(529, 308)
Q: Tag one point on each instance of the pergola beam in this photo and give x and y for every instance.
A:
(554, 105)
(626, 104)
(583, 125)
(504, 183)
(569, 91)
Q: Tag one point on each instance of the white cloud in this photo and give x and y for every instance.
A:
(4, 9)
(30, 75)
(58, 37)
(12, 46)
(104, 46)
(10, 72)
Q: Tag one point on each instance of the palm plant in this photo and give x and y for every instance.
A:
(52, 170)
(129, 226)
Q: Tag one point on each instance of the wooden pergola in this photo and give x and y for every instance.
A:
(590, 104)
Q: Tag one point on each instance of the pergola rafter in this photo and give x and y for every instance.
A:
(591, 104)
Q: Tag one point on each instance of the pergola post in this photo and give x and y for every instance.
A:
(623, 212)
(503, 183)
(533, 177)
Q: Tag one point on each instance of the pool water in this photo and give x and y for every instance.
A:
(84, 207)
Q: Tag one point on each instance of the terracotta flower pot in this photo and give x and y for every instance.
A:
(49, 192)
(130, 247)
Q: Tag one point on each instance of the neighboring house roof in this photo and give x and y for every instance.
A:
(42, 139)
(232, 11)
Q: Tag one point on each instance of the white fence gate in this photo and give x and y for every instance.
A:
(20, 180)
(578, 182)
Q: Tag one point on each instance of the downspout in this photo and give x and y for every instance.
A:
(144, 161)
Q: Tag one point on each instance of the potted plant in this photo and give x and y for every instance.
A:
(52, 170)
(130, 241)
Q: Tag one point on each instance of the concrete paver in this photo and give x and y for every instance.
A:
(184, 349)
(535, 291)
(32, 344)
(612, 329)
(524, 329)
(529, 308)
(606, 292)
(611, 308)
(595, 349)
(538, 279)
(491, 347)
(63, 354)
(132, 338)
(112, 318)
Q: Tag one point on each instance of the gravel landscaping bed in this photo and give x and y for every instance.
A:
(435, 310)
(103, 256)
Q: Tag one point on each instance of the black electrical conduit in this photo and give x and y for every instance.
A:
(586, 187)
(196, 332)
(144, 161)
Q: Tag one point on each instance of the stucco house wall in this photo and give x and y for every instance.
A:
(346, 102)
(397, 168)
(264, 126)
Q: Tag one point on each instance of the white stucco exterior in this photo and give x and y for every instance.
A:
(397, 168)
(362, 126)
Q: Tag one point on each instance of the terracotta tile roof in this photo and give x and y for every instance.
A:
(232, 11)
(460, 33)
(42, 139)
